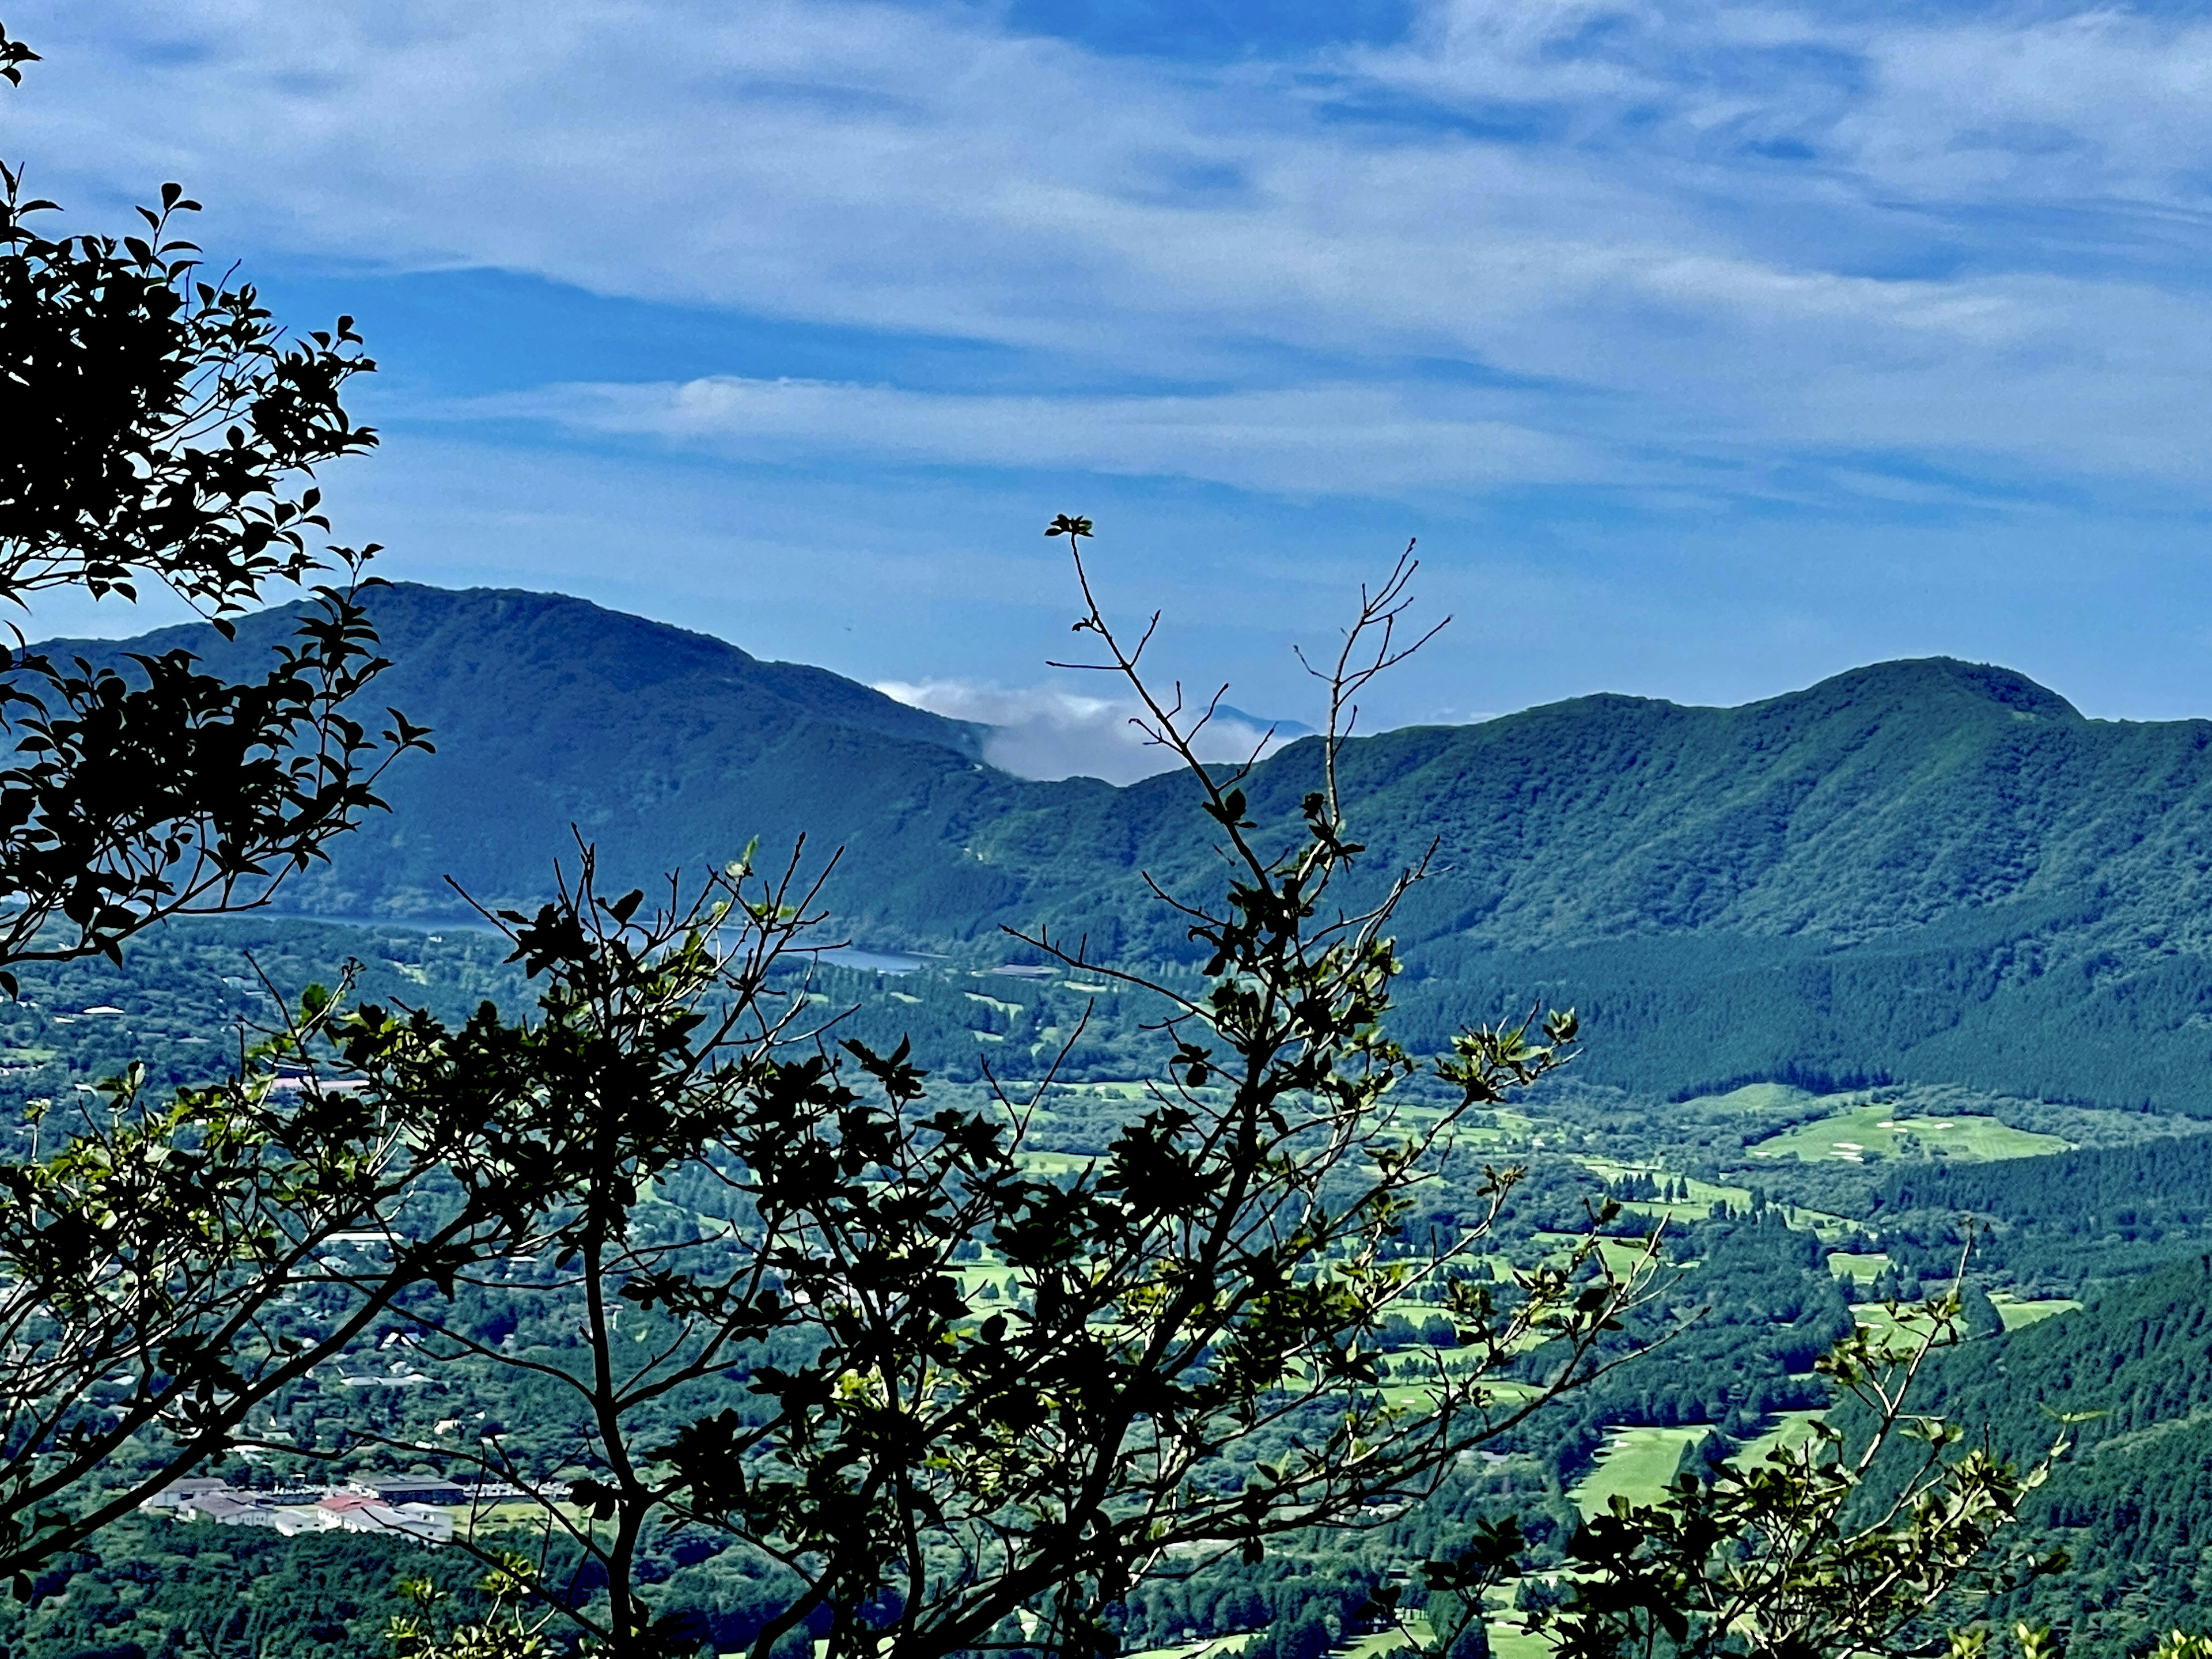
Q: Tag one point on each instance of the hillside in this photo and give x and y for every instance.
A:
(2095, 1213)
(664, 746)
(2131, 1504)
(1920, 871)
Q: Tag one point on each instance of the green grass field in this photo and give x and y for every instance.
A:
(1860, 1265)
(1056, 1164)
(1755, 1097)
(1636, 1464)
(1904, 1326)
(2016, 1313)
(1217, 1647)
(1510, 1641)
(1130, 1090)
(1373, 1646)
(1620, 1254)
(1866, 1133)
(515, 1512)
(974, 1276)
(1407, 1390)
(1789, 1429)
(1699, 1204)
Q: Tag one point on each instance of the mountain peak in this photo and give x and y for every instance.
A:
(1910, 680)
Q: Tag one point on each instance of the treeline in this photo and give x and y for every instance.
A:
(156, 1590)
(1972, 1002)
(2056, 1224)
(962, 1018)
(1728, 1342)
(1673, 1016)
(187, 992)
(2081, 1194)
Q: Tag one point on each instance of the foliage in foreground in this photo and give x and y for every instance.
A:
(1191, 1369)
(162, 429)
(1796, 1555)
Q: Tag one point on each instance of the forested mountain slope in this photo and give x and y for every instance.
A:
(1919, 869)
(666, 747)
(2128, 1382)
(2093, 1213)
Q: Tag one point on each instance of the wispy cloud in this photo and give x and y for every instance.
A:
(1044, 732)
(1302, 441)
(1714, 230)
(1937, 104)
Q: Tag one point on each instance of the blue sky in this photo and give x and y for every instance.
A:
(1707, 349)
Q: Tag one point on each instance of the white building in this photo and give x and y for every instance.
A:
(422, 1521)
(177, 1492)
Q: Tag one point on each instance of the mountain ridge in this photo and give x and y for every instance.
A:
(1921, 864)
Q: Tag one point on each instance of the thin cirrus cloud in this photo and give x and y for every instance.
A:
(1941, 104)
(1295, 442)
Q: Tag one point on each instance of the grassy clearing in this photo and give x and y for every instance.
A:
(1857, 1264)
(1213, 1647)
(1790, 1429)
(1056, 1164)
(2015, 1312)
(1696, 1206)
(515, 1512)
(1412, 1378)
(1372, 1646)
(974, 1276)
(1636, 1464)
(1755, 1097)
(1509, 1640)
(1620, 1254)
(1131, 1090)
(1904, 1324)
(1865, 1132)
(1674, 1214)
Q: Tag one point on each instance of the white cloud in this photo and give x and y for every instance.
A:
(1313, 440)
(2103, 103)
(1604, 211)
(1043, 731)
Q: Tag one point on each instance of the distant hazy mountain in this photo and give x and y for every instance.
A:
(1927, 870)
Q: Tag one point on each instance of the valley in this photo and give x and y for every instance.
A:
(1852, 997)
(1775, 1241)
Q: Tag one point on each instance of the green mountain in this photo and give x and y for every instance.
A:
(1927, 871)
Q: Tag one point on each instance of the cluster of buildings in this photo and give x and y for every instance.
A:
(421, 1508)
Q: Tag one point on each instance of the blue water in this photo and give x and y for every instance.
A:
(879, 962)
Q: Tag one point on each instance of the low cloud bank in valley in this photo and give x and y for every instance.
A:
(1039, 732)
